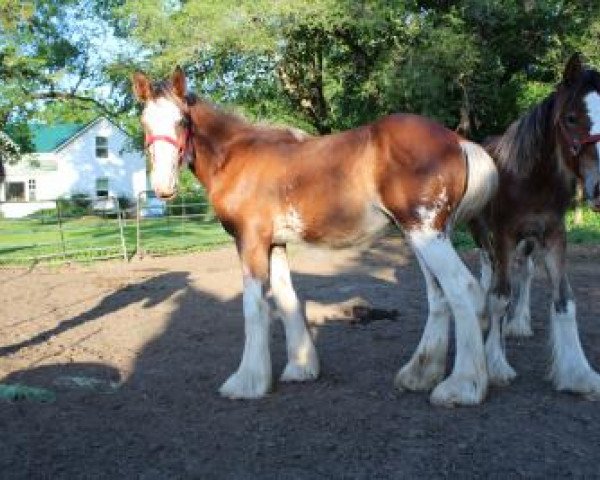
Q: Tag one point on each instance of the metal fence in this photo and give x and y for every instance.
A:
(178, 226)
(87, 229)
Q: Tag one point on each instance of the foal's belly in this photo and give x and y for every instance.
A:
(333, 228)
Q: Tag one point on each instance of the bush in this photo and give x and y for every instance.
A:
(70, 207)
(81, 200)
(193, 203)
(125, 202)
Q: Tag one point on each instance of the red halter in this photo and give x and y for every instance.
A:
(181, 145)
(576, 144)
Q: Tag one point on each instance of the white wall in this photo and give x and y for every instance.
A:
(78, 166)
(22, 209)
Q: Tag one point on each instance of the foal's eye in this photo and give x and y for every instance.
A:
(572, 119)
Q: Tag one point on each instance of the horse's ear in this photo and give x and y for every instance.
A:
(178, 82)
(573, 69)
(142, 88)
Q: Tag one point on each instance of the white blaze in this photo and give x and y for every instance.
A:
(161, 117)
(592, 103)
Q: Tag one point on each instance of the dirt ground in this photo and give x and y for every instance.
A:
(135, 354)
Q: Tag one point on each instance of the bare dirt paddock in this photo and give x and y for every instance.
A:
(135, 354)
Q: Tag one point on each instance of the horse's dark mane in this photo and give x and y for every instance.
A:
(526, 141)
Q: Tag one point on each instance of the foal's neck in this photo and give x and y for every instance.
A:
(212, 131)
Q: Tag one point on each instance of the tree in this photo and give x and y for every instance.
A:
(50, 64)
(335, 64)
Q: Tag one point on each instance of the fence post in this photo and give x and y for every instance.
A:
(138, 235)
(119, 217)
(579, 199)
(182, 216)
(60, 229)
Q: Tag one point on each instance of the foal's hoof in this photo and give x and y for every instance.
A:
(246, 385)
(459, 391)
(586, 383)
(500, 373)
(296, 372)
(518, 327)
(415, 377)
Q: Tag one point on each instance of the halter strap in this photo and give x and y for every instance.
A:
(576, 144)
(182, 146)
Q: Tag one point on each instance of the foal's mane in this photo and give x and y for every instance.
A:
(222, 123)
(527, 141)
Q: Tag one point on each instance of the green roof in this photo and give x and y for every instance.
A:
(46, 138)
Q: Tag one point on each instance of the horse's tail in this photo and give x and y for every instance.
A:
(482, 181)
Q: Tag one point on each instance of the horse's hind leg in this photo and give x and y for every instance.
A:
(499, 370)
(519, 320)
(467, 384)
(253, 377)
(303, 362)
(427, 366)
(570, 369)
(480, 233)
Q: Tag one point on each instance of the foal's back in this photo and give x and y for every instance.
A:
(344, 187)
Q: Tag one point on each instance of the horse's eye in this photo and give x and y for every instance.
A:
(572, 119)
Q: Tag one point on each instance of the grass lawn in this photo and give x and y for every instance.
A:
(88, 238)
(25, 241)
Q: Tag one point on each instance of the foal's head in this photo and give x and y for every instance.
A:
(165, 120)
(577, 118)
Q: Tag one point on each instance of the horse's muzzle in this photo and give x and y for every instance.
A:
(166, 195)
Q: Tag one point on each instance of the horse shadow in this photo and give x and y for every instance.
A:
(152, 292)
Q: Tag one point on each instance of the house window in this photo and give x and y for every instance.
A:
(102, 187)
(31, 185)
(15, 192)
(102, 147)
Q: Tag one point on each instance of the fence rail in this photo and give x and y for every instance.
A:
(88, 233)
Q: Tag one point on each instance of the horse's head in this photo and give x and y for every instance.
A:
(578, 125)
(165, 121)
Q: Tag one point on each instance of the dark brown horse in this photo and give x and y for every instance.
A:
(539, 158)
(272, 186)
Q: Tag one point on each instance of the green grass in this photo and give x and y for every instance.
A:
(588, 232)
(90, 238)
(26, 241)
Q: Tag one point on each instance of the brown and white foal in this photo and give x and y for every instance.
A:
(539, 158)
(272, 186)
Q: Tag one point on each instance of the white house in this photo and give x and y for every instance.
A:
(96, 159)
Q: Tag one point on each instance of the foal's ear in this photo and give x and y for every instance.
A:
(573, 69)
(142, 88)
(178, 82)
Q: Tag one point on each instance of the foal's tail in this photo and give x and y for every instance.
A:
(482, 181)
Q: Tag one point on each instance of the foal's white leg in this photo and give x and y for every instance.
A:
(570, 369)
(303, 362)
(467, 384)
(253, 377)
(427, 366)
(519, 323)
